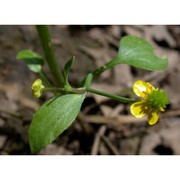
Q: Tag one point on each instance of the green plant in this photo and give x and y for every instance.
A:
(58, 113)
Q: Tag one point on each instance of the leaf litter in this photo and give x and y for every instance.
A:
(104, 126)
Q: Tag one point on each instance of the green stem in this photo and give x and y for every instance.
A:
(94, 91)
(45, 79)
(45, 39)
(112, 96)
(98, 71)
(108, 65)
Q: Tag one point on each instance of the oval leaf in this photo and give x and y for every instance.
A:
(33, 60)
(138, 52)
(52, 119)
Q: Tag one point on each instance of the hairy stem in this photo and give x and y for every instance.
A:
(108, 65)
(45, 39)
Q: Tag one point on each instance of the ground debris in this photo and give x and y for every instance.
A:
(104, 126)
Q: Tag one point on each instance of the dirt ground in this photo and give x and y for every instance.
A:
(104, 126)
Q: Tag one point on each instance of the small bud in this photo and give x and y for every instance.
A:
(37, 88)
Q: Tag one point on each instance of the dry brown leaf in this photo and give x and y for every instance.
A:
(161, 33)
(129, 146)
(134, 30)
(14, 95)
(2, 140)
(168, 137)
(53, 149)
(100, 57)
(123, 75)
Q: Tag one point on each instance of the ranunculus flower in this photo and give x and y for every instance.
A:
(152, 101)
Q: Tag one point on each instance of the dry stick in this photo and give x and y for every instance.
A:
(15, 114)
(170, 113)
(99, 134)
(123, 119)
(84, 125)
(110, 145)
(99, 119)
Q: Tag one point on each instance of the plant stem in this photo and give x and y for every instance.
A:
(108, 65)
(112, 96)
(44, 78)
(45, 39)
(94, 91)
(98, 71)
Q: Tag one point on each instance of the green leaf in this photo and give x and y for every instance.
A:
(52, 119)
(139, 53)
(88, 80)
(67, 69)
(33, 60)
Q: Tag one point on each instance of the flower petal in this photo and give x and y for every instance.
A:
(142, 89)
(153, 117)
(139, 109)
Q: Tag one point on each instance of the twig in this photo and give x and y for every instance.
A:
(99, 134)
(123, 119)
(110, 145)
(15, 114)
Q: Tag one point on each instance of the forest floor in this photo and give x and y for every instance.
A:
(104, 126)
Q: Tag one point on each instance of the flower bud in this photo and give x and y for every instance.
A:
(37, 88)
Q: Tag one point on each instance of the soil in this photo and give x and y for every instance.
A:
(104, 126)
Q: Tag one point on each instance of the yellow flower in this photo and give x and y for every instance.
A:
(152, 101)
(37, 88)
